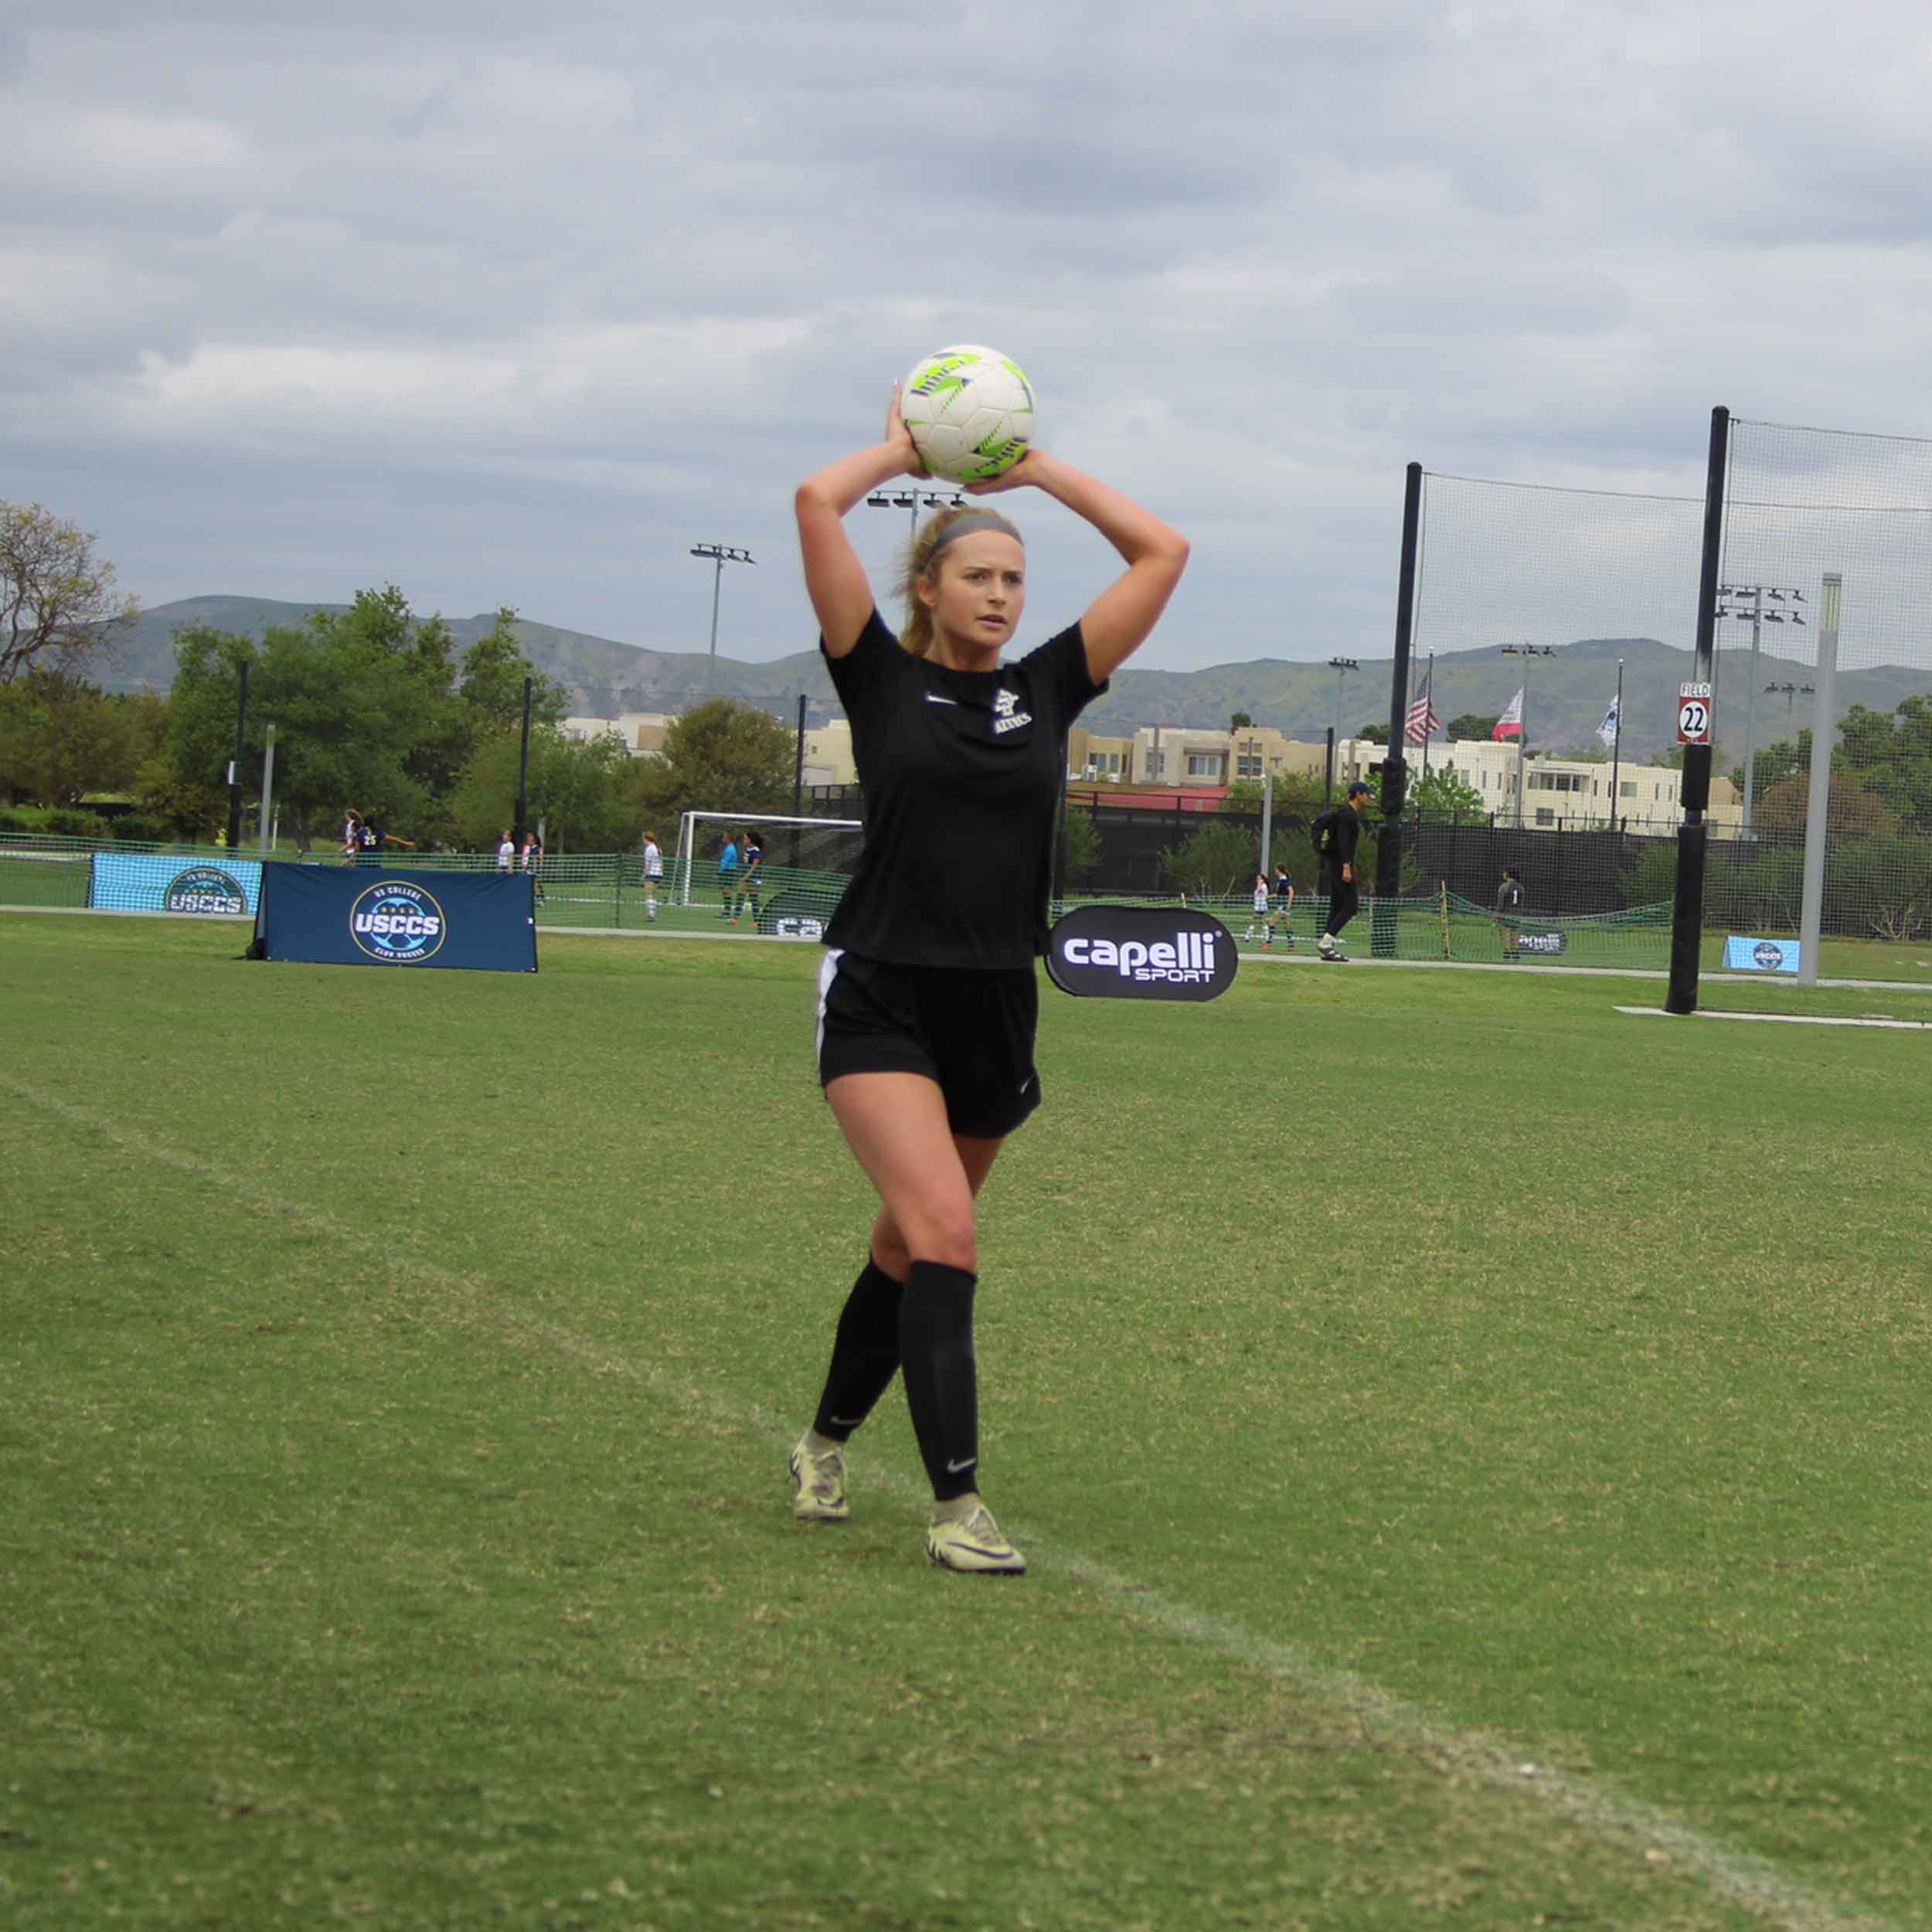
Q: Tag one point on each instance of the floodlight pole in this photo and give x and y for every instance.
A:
(1757, 616)
(234, 764)
(1522, 715)
(1341, 667)
(1818, 796)
(268, 787)
(523, 767)
(719, 555)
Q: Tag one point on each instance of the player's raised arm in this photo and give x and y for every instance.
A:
(835, 580)
(1116, 622)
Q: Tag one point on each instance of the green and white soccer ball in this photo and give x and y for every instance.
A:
(971, 413)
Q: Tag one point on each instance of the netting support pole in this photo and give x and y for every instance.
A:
(1818, 798)
(1693, 836)
(1395, 771)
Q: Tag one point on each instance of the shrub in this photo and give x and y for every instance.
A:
(65, 823)
(141, 829)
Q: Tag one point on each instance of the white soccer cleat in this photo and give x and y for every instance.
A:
(818, 1486)
(973, 1545)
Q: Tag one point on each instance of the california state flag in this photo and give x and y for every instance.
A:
(1510, 724)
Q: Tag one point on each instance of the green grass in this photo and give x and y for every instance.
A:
(1392, 1374)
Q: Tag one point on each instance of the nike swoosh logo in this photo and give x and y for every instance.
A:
(933, 697)
(953, 1468)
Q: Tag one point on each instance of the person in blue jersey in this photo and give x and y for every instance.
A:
(1284, 906)
(928, 1000)
(727, 874)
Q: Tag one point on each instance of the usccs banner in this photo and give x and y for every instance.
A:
(352, 916)
(1139, 952)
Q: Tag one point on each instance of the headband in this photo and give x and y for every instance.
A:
(967, 523)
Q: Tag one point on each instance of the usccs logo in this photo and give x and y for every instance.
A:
(397, 923)
(204, 889)
(1141, 952)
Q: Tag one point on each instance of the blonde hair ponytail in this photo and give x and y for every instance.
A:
(933, 536)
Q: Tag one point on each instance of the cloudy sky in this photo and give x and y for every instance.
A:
(514, 304)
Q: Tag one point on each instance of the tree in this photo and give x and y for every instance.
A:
(719, 756)
(1241, 722)
(1445, 799)
(58, 609)
(1375, 734)
(1220, 858)
(61, 737)
(1294, 791)
(1473, 724)
(1857, 805)
(352, 695)
(1080, 837)
(576, 786)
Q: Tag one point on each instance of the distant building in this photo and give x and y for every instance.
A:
(1557, 791)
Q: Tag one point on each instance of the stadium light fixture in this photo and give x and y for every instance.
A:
(719, 555)
(914, 501)
(1746, 603)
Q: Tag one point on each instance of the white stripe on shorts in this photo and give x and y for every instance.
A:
(828, 972)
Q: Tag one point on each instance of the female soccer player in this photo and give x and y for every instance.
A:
(928, 1000)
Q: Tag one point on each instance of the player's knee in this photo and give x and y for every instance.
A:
(943, 1233)
(889, 1248)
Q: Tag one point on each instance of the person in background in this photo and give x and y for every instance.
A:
(748, 875)
(727, 875)
(1258, 927)
(533, 862)
(653, 874)
(505, 853)
(375, 839)
(351, 836)
(1509, 896)
(1284, 906)
(1338, 832)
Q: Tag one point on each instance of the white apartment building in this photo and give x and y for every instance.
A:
(1556, 791)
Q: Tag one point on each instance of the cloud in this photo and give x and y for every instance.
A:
(515, 307)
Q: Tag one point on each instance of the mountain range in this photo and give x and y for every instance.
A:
(1569, 691)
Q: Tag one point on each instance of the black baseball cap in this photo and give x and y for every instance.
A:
(1357, 787)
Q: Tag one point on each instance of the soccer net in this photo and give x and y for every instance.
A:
(796, 886)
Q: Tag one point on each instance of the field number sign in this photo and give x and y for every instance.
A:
(1694, 714)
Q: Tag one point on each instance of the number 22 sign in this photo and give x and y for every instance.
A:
(1694, 714)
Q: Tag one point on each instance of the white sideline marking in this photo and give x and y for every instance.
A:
(1741, 1878)
(1789, 1019)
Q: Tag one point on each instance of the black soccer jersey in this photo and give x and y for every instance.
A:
(961, 772)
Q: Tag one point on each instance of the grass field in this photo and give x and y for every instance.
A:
(1471, 1445)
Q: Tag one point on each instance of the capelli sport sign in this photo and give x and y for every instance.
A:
(397, 923)
(204, 889)
(1139, 952)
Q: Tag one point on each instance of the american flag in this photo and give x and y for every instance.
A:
(1422, 719)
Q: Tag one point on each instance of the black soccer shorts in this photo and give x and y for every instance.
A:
(972, 1031)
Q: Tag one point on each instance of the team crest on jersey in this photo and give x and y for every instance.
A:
(1006, 718)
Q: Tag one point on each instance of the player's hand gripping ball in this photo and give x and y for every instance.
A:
(970, 413)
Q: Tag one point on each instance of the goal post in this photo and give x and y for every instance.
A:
(806, 861)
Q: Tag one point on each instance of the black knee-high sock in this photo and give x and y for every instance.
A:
(865, 1353)
(942, 1388)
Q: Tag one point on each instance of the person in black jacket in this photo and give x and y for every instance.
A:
(1338, 832)
(928, 999)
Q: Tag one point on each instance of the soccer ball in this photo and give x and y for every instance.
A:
(971, 413)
